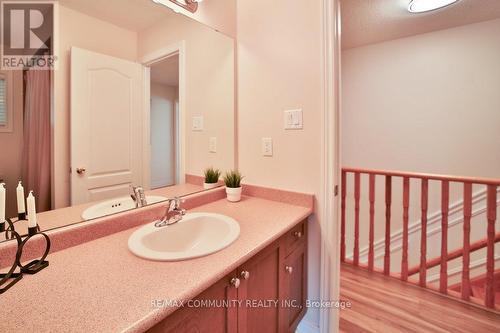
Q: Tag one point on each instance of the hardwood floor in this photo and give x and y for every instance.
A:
(386, 305)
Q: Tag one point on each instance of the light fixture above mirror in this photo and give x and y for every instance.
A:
(422, 6)
(190, 5)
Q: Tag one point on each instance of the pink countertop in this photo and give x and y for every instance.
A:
(99, 286)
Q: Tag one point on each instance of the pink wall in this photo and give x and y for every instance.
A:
(279, 68)
(425, 103)
(11, 144)
(77, 29)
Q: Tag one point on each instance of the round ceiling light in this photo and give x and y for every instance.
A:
(422, 6)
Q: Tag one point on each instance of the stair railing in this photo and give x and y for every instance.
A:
(425, 264)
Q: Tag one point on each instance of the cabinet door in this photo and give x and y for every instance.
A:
(216, 319)
(295, 268)
(259, 292)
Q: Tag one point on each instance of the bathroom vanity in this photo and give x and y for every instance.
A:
(265, 294)
(94, 283)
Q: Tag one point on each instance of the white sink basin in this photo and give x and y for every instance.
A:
(114, 206)
(196, 235)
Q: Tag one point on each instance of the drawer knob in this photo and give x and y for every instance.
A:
(245, 275)
(298, 234)
(289, 269)
(80, 171)
(235, 282)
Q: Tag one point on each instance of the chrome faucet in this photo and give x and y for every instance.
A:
(173, 214)
(137, 194)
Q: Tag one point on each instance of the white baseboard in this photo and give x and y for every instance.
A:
(306, 326)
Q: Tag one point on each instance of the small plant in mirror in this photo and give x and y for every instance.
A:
(211, 178)
(212, 175)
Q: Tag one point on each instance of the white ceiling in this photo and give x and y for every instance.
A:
(166, 71)
(134, 15)
(373, 21)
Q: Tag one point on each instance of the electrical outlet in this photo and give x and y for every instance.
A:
(212, 145)
(267, 146)
(293, 119)
(198, 123)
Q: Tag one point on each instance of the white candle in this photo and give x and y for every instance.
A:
(2, 203)
(31, 210)
(21, 208)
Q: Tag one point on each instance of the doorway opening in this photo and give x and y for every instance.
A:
(164, 122)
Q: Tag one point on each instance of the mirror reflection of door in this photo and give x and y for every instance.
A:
(106, 126)
(164, 115)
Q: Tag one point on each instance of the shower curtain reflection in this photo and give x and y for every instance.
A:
(36, 146)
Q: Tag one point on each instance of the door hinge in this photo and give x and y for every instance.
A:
(336, 190)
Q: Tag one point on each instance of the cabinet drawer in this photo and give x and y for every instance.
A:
(295, 237)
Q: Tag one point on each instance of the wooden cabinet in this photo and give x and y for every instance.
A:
(258, 311)
(296, 285)
(267, 294)
(193, 318)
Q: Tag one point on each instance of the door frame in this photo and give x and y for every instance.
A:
(178, 48)
(330, 164)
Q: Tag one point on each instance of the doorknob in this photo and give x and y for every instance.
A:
(80, 171)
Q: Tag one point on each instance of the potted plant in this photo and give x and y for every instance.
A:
(211, 178)
(232, 179)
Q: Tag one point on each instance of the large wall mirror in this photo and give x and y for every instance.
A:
(139, 98)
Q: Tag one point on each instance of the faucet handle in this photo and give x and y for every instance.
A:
(178, 201)
(172, 204)
(133, 194)
(141, 196)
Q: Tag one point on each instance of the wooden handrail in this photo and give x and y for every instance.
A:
(429, 176)
(481, 244)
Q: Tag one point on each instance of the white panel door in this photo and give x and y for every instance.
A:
(106, 126)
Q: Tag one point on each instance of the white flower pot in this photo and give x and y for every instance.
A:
(208, 186)
(233, 194)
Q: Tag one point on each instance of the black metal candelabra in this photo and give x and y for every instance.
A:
(11, 277)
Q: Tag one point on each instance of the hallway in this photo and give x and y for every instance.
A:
(386, 305)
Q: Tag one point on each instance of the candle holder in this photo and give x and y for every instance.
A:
(10, 278)
(21, 216)
(10, 229)
(2, 226)
(36, 265)
(32, 231)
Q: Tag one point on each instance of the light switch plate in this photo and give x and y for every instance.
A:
(212, 145)
(293, 119)
(267, 146)
(198, 123)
